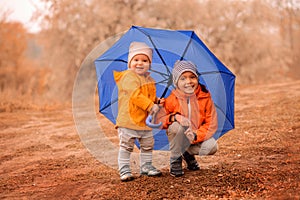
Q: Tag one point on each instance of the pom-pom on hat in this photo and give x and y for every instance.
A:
(136, 48)
(181, 67)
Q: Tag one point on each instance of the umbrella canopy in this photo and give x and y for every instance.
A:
(168, 47)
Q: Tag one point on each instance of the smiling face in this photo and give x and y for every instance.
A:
(187, 82)
(140, 64)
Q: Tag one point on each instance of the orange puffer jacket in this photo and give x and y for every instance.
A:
(136, 96)
(198, 107)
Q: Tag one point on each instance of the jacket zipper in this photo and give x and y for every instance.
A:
(189, 108)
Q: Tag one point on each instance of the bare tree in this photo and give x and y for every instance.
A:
(12, 48)
(245, 35)
(290, 32)
(73, 27)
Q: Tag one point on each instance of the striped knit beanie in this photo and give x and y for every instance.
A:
(136, 48)
(181, 67)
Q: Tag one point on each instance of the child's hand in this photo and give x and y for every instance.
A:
(155, 108)
(190, 135)
(161, 102)
(183, 121)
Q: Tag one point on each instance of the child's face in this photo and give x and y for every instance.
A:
(187, 82)
(140, 64)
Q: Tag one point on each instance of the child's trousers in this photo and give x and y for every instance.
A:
(179, 143)
(127, 138)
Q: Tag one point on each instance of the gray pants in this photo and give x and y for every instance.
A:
(179, 143)
(127, 138)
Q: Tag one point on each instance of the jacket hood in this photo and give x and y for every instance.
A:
(118, 75)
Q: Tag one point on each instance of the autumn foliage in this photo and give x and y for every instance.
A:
(22, 79)
(257, 40)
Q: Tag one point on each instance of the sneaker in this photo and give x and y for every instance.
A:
(126, 177)
(148, 170)
(191, 162)
(125, 173)
(176, 173)
(176, 167)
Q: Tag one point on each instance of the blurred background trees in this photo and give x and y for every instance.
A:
(258, 40)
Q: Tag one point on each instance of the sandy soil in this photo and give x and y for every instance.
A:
(43, 157)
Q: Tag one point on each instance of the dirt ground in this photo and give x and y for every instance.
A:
(43, 157)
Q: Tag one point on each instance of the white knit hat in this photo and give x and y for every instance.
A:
(181, 67)
(139, 48)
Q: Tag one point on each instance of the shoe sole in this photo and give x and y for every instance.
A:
(128, 178)
(176, 175)
(194, 169)
(147, 174)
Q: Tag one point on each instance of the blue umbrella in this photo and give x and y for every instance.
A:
(168, 47)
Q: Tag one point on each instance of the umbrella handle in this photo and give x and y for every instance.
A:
(149, 122)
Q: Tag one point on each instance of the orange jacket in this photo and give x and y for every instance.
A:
(136, 96)
(198, 107)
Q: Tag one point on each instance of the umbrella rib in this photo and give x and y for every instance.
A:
(224, 115)
(112, 102)
(156, 50)
(112, 60)
(162, 74)
(163, 61)
(185, 50)
(159, 54)
(163, 81)
(166, 89)
(187, 46)
(216, 72)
